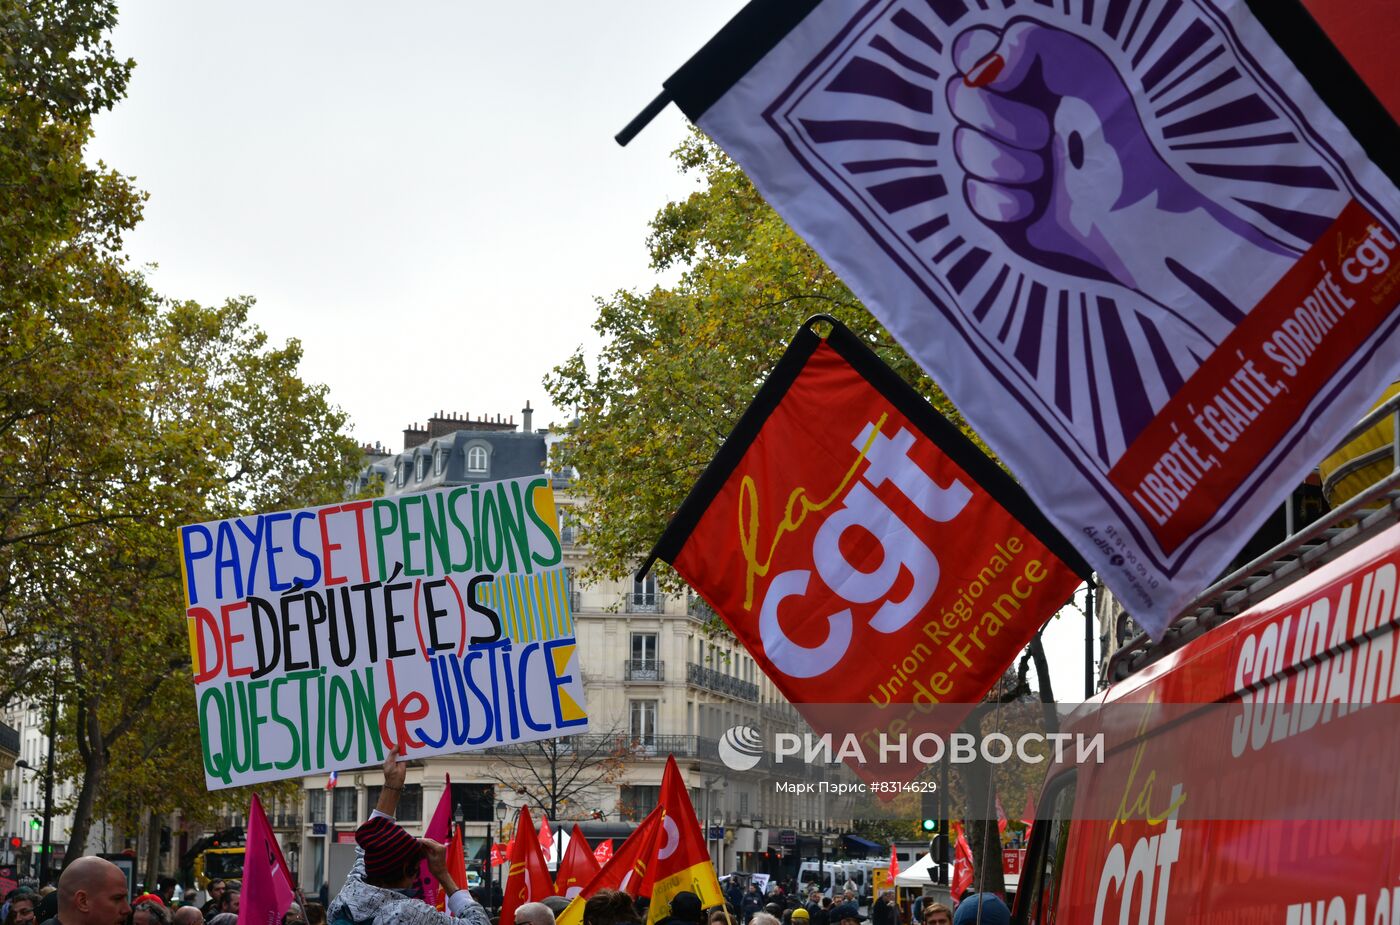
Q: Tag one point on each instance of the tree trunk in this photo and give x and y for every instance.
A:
(1047, 693)
(94, 752)
(153, 826)
(981, 823)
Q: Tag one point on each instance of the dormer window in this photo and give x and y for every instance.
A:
(421, 468)
(439, 461)
(477, 460)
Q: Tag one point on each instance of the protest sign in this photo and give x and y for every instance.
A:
(437, 621)
(1130, 240)
(870, 557)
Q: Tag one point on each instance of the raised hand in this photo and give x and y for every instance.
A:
(1058, 163)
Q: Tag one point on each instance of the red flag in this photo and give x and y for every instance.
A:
(683, 858)
(498, 854)
(528, 880)
(626, 871)
(820, 531)
(577, 867)
(894, 864)
(1001, 817)
(546, 837)
(439, 830)
(962, 863)
(267, 886)
(456, 865)
(603, 853)
(1028, 819)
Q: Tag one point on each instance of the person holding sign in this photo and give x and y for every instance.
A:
(381, 887)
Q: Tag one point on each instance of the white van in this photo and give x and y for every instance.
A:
(813, 874)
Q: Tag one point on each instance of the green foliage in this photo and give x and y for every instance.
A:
(122, 416)
(681, 363)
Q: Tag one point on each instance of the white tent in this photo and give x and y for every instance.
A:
(918, 875)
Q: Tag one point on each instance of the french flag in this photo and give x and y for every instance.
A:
(330, 781)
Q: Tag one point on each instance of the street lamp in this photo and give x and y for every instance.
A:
(45, 851)
(502, 810)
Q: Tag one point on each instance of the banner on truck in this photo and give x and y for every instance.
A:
(1130, 240)
(439, 621)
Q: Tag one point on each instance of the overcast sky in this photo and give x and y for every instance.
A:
(426, 194)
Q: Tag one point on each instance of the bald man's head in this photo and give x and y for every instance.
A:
(188, 915)
(92, 891)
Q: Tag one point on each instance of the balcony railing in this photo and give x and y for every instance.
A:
(646, 669)
(712, 680)
(601, 746)
(637, 602)
(9, 739)
(575, 601)
(286, 820)
(698, 609)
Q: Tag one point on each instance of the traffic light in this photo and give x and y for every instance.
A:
(16, 842)
(929, 810)
(36, 824)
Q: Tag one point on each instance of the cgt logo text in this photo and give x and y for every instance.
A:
(741, 748)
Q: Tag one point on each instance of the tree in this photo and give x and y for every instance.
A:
(122, 416)
(69, 305)
(680, 364)
(226, 427)
(563, 774)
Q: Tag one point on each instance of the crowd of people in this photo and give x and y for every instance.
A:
(93, 891)
(782, 906)
(383, 888)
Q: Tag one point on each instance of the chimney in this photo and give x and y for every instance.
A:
(526, 414)
(443, 424)
(414, 435)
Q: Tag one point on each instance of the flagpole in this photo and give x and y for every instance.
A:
(643, 118)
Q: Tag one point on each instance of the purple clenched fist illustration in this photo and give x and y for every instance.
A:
(1059, 164)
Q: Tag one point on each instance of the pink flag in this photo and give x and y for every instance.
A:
(267, 885)
(439, 830)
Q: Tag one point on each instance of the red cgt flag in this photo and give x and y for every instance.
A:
(603, 853)
(528, 880)
(683, 860)
(894, 864)
(577, 867)
(845, 516)
(627, 871)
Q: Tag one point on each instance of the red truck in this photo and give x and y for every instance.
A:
(1249, 776)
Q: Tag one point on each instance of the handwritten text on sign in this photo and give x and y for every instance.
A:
(438, 620)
